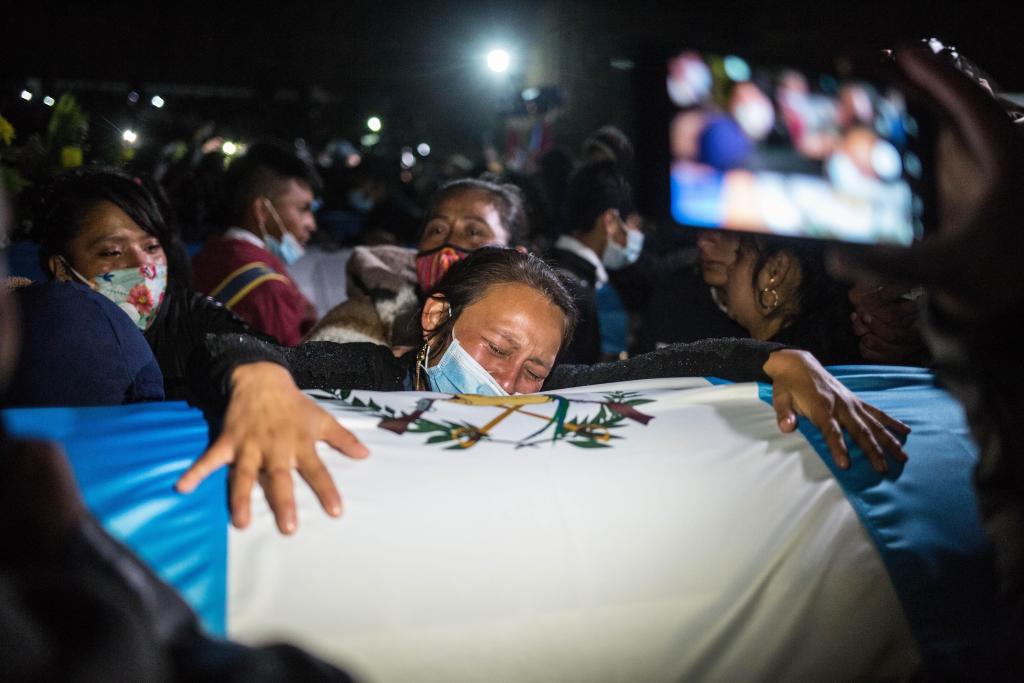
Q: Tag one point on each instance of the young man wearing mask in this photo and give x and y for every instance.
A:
(599, 240)
(270, 207)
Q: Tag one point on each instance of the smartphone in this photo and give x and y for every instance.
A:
(777, 150)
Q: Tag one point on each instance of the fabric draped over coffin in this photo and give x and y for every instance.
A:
(591, 537)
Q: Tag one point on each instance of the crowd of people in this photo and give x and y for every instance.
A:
(504, 287)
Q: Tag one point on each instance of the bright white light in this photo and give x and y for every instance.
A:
(423, 149)
(408, 159)
(229, 148)
(374, 124)
(736, 69)
(26, 95)
(49, 101)
(885, 160)
(130, 136)
(531, 94)
(157, 101)
(498, 60)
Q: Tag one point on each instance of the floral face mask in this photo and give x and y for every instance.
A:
(136, 291)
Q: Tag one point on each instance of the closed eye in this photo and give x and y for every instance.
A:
(497, 351)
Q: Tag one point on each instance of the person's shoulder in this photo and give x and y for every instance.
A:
(228, 253)
(575, 270)
(64, 302)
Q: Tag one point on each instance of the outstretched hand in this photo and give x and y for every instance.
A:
(270, 429)
(801, 386)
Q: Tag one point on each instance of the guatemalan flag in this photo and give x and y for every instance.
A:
(660, 530)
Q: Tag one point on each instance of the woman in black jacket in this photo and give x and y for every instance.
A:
(494, 324)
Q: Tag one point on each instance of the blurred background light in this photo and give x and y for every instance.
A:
(498, 60)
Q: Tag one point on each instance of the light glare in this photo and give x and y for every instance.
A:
(374, 124)
(130, 136)
(49, 101)
(423, 149)
(26, 95)
(498, 60)
(157, 101)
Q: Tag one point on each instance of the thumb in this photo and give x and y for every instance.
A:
(785, 415)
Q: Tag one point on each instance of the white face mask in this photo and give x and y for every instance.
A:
(458, 373)
(287, 248)
(755, 118)
(617, 256)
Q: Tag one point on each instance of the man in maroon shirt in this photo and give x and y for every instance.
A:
(270, 206)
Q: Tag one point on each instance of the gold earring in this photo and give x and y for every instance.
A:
(421, 361)
(776, 300)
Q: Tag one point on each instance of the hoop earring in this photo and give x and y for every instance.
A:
(776, 300)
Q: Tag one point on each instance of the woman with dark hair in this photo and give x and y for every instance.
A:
(779, 290)
(106, 230)
(494, 324)
(386, 283)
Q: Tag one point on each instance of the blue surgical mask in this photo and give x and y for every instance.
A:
(617, 256)
(287, 248)
(458, 373)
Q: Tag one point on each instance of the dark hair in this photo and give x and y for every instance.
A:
(593, 189)
(820, 300)
(468, 280)
(609, 142)
(58, 214)
(258, 172)
(507, 198)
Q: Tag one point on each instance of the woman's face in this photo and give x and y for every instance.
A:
(740, 292)
(757, 305)
(468, 219)
(718, 253)
(513, 331)
(110, 240)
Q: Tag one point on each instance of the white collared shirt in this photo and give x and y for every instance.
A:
(244, 235)
(574, 246)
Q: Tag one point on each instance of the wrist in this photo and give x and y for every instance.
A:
(261, 373)
(783, 360)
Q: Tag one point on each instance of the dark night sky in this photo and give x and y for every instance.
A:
(421, 61)
(383, 44)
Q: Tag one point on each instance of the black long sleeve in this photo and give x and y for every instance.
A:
(313, 365)
(178, 341)
(739, 360)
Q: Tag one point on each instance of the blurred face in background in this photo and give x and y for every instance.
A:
(460, 223)
(718, 253)
(468, 219)
(293, 206)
